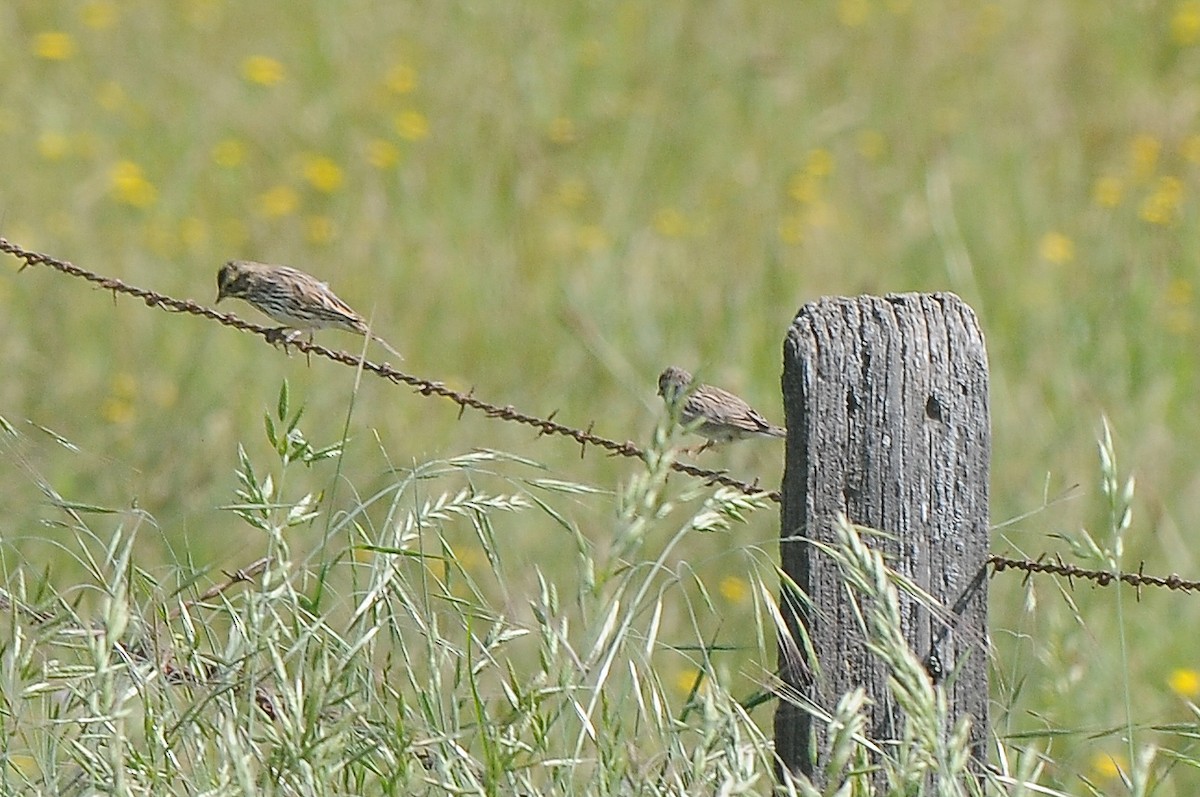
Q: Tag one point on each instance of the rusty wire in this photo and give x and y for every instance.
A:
(545, 426)
(1101, 578)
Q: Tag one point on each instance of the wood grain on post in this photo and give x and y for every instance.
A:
(886, 400)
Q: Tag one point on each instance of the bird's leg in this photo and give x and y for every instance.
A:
(282, 336)
(707, 445)
(275, 336)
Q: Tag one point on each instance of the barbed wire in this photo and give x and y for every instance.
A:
(544, 426)
(1101, 578)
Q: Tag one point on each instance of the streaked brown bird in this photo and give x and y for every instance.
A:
(297, 300)
(718, 414)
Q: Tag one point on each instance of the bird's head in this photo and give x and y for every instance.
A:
(673, 382)
(232, 279)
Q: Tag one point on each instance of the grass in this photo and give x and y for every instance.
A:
(390, 665)
(407, 677)
(550, 202)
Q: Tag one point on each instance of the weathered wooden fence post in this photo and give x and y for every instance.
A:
(886, 400)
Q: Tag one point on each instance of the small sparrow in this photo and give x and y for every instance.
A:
(299, 301)
(722, 416)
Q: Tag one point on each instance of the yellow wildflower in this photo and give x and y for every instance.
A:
(733, 589)
(98, 14)
(412, 125)
(804, 188)
(1057, 248)
(1185, 682)
(1190, 149)
(278, 201)
(118, 407)
(1185, 23)
(990, 20)
(688, 679)
(124, 385)
(1180, 319)
(382, 154)
(670, 223)
(229, 153)
(54, 45)
(401, 79)
(871, 144)
(130, 186)
(323, 173)
(819, 162)
(853, 13)
(53, 146)
(26, 765)
(117, 411)
(572, 192)
(1143, 154)
(1107, 766)
(1106, 192)
(1179, 293)
(1162, 205)
(263, 70)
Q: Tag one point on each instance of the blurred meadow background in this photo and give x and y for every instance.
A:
(550, 202)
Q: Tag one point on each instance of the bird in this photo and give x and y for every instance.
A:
(295, 299)
(712, 412)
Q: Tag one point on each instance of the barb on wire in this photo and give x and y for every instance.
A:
(242, 575)
(544, 426)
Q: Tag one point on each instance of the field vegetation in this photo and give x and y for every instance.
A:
(550, 202)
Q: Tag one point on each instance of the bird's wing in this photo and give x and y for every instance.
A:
(722, 407)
